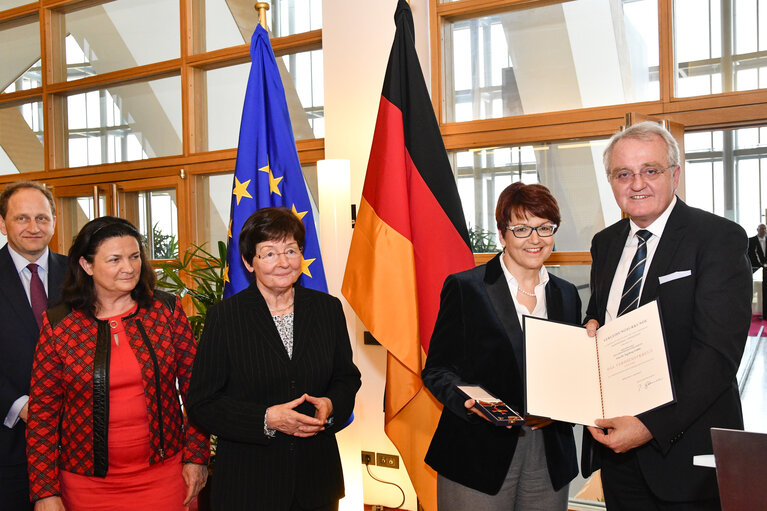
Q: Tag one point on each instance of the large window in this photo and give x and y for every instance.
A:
(513, 75)
(570, 169)
(21, 137)
(137, 80)
(119, 35)
(719, 46)
(727, 174)
(134, 121)
(20, 58)
(576, 54)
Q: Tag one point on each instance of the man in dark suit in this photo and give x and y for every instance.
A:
(30, 277)
(695, 264)
(756, 248)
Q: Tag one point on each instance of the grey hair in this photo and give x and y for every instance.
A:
(643, 131)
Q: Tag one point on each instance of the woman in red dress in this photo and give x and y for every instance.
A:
(106, 430)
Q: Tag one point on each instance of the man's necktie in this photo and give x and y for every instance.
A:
(37, 295)
(630, 297)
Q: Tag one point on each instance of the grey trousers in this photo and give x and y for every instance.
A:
(527, 486)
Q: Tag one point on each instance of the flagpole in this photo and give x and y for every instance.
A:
(262, 7)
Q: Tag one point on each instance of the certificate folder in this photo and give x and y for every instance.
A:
(572, 377)
(491, 407)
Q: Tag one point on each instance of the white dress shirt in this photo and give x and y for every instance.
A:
(540, 293)
(629, 250)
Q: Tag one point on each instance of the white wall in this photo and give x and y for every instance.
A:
(357, 38)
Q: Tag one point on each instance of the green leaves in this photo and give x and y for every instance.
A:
(482, 240)
(198, 273)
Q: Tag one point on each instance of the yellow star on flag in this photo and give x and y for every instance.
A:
(301, 214)
(305, 266)
(241, 190)
(229, 230)
(273, 181)
(226, 273)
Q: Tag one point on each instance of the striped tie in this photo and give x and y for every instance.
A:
(630, 297)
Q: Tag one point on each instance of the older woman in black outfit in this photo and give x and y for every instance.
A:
(478, 340)
(274, 379)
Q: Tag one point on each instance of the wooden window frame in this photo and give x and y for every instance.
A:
(709, 112)
(189, 66)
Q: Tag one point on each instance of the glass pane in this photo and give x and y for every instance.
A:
(701, 185)
(120, 35)
(154, 213)
(571, 170)
(718, 49)
(214, 197)
(8, 4)
(73, 214)
(124, 123)
(579, 276)
(21, 138)
(727, 174)
(20, 55)
(305, 93)
(748, 191)
(295, 16)
(572, 55)
(231, 23)
(225, 94)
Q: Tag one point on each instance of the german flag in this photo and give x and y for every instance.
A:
(409, 236)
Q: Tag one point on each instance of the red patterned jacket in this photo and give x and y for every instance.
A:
(69, 396)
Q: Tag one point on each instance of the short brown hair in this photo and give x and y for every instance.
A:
(20, 185)
(269, 224)
(78, 291)
(524, 200)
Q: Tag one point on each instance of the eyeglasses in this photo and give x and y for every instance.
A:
(525, 231)
(271, 256)
(647, 174)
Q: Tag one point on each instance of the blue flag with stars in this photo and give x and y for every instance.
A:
(268, 172)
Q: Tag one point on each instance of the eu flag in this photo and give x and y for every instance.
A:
(268, 172)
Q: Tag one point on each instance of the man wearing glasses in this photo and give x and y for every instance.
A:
(695, 264)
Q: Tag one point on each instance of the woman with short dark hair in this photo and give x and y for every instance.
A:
(106, 430)
(478, 340)
(274, 379)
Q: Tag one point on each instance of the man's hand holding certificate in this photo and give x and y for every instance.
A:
(623, 371)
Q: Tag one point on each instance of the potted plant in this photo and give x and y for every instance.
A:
(482, 241)
(205, 274)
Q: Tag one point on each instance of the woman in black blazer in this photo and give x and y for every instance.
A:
(274, 380)
(478, 340)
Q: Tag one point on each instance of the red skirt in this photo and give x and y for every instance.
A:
(131, 483)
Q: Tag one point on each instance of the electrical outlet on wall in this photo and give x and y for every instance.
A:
(368, 458)
(387, 460)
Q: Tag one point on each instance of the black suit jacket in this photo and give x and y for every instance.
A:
(242, 368)
(18, 337)
(755, 253)
(706, 317)
(478, 340)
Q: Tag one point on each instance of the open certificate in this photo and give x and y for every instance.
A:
(576, 378)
